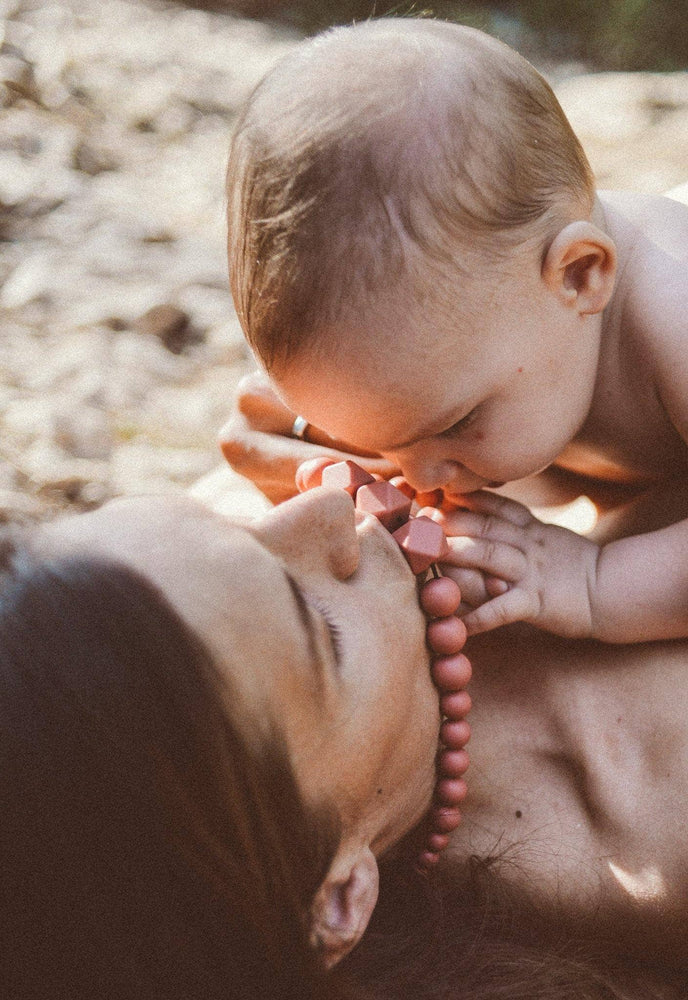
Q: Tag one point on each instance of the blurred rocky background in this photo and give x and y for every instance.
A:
(119, 348)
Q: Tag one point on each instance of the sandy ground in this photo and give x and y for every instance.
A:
(120, 349)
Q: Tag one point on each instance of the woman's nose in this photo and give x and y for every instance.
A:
(315, 529)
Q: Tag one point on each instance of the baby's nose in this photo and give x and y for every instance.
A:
(426, 473)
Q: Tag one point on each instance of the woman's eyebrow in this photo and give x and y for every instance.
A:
(306, 618)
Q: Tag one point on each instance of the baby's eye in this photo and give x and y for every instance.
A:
(460, 425)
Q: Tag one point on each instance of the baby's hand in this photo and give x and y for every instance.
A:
(512, 567)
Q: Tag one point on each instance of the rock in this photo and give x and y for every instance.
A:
(169, 324)
(120, 348)
(84, 432)
(91, 160)
(633, 126)
(17, 507)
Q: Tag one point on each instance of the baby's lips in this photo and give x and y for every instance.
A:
(403, 486)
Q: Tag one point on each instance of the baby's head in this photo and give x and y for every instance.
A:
(384, 182)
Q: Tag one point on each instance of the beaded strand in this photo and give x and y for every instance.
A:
(423, 543)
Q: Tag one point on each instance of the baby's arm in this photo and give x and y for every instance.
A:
(629, 590)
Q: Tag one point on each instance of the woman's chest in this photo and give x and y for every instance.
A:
(579, 783)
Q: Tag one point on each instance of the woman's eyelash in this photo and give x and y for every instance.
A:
(332, 627)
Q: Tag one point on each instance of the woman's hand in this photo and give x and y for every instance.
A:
(257, 442)
(511, 567)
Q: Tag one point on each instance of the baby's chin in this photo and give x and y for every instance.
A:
(454, 499)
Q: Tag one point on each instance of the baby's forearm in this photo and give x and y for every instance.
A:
(640, 591)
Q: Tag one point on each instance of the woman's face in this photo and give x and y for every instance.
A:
(313, 613)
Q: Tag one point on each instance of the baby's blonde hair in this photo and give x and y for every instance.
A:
(376, 148)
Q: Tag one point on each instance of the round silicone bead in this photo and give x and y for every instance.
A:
(453, 763)
(445, 819)
(404, 486)
(455, 734)
(451, 673)
(446, 635)
(440, 597)
(456, 704)
(433, 498)
(451, 791)
(437, 842)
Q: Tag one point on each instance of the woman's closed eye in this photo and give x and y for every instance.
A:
(332, 627)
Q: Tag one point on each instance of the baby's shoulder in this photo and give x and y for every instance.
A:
(648, 227)
(651, 295)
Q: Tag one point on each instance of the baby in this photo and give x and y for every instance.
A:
(421, 263)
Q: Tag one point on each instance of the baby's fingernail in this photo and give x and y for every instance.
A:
(432, 513)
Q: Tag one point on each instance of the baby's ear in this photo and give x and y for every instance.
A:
(580, 267)
(344, 904)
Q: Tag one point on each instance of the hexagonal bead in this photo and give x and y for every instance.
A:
(388, 504)
(346, 476)
(422, 541)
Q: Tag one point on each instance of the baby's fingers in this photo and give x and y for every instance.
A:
(494, 505)
(514, 606)
(467, 523)
(475, 587)
(495, 558)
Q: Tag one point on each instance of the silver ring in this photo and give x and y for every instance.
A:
(299, 428)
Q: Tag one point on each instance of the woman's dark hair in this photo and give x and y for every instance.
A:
(464, 934)
(146, 850)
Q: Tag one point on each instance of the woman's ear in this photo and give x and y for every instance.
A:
(580, 267)
(344, 903)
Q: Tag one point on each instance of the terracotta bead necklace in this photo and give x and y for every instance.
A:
(423, 543)
(451, 671)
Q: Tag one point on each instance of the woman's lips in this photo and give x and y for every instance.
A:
(369, 524)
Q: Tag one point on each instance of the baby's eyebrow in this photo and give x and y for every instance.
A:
(306, 618)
